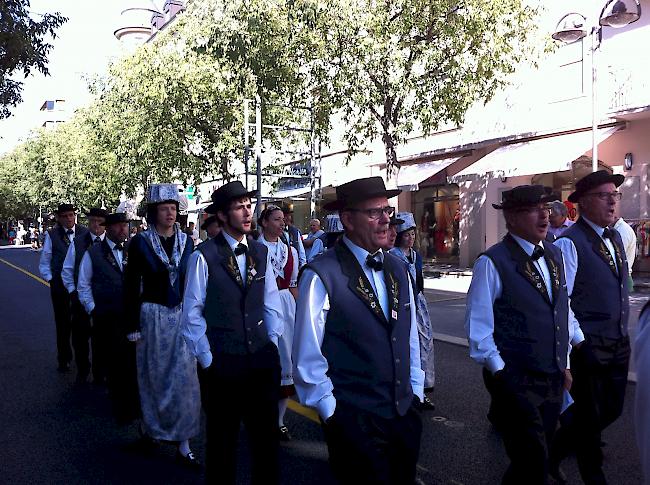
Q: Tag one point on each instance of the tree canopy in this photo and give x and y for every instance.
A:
(22, 48)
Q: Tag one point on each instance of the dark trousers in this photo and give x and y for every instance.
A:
(80, 330)
(101, 344)
(366, 448)
(236, 389)
(62, 319)
(599, 368)
(527, 406)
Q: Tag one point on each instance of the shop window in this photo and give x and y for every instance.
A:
(437, 215)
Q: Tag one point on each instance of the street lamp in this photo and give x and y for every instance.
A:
(572, 27)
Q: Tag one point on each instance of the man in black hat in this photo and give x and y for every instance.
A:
(596, 270)
(520, 328)
(100, 287)
(81, 331)
(232, 319)
(294, 235)
(211, 226)
(356, 347)
(55, 247)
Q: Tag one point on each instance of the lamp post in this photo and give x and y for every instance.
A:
(572, 27)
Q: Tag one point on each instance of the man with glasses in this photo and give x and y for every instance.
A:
(596, 277)
(520, 328)
(356, 346)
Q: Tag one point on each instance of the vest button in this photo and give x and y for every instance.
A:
(397, 382)
(397, 403)
(245, 314)
(557, 328)
(394, 339)
(397, 361)
(250, 342)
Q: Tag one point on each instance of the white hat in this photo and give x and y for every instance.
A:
(409, 221)
(159, 193)
(333, 223)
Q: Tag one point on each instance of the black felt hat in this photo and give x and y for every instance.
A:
(208, 221)
(224, 194)
(594, 179)
(65, 208)
(359, 190)
(116, 218)
(524, 196)
(96, 212)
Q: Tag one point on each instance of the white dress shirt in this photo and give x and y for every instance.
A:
(45, 263)
(557, 231)
(310, 367)
(67, 273)
(570, 254)
(628, 236)
(316, 249)
(485, 288)
(193, 324)
(84, 287)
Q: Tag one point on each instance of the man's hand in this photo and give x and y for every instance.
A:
(568, 379)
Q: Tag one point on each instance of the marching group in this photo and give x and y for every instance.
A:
(339, 319)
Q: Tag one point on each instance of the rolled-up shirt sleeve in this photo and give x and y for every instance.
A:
(272, 304)
(84, 287)
(194, 326)
(310, 366)
(67, 273)
(479, 314)
(45, 263)
(417, 374)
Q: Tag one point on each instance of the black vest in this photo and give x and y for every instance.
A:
(60, 243)
(81, 244)
(600, 297)
(107, 281)
(368, 357)
(530, 331)
(234, 310)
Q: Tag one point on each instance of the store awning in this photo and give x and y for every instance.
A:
(290, 193)
(544, 155)
(410, 176)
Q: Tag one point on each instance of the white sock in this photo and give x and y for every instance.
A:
(282, 409)
(184, 447)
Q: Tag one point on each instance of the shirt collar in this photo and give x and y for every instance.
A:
(527, 246)
(101, 236)
(599, 230)
(232, 242)
(360, 253)
(111, 244)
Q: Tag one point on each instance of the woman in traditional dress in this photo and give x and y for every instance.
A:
(154, 282)
(404, 250)
(284, 260)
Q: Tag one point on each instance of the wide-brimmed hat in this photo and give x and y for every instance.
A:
(224, 194)
(524, 196)
(163, 193)
(96, 212)
(408, 221)
(333, 223)
(115, 218)
(208, 221)
(594, 179)
(359, 190)
(65, 208)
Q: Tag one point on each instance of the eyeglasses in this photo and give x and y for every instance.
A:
(607, 195)
(375, 213)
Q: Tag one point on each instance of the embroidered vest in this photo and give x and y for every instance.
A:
(368, 357)
(530, 331)
(234, 311)
(600, 297)
(107, 281)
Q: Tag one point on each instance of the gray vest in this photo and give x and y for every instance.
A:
(368, 357)
(530, 331)
(600, 297)
(60, 243)
(108, 280)
(234, 311)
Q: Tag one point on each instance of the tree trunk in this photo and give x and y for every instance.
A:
(391, 154)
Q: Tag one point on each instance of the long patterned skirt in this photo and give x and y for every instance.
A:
(425, 331)
(285, 342)
(169, 386)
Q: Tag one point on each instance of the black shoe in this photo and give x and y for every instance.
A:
(63, 367)
(283, 433)
(188, 460)
(427, 405)
(557, 475)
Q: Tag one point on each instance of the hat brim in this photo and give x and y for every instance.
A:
(338, 204)
(616, 179)
(218, 206)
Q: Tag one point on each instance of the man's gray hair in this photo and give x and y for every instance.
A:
(559, 209)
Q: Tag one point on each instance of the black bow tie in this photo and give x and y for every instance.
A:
(119, 246)
(97, 240)
(69, 232)
(538, 252)
(608, 233)
(241, 249)
(373, 263)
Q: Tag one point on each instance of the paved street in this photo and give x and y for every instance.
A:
(52, 432)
